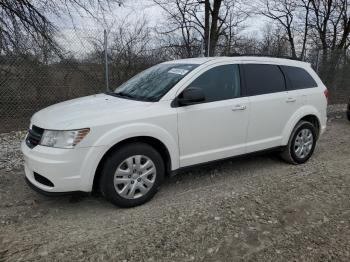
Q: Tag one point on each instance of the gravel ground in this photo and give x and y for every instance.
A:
(254, 208)
(10, 153)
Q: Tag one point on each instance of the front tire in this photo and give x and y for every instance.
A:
(301, 143)
(132, 174)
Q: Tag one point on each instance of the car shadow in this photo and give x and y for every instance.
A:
(182, 181)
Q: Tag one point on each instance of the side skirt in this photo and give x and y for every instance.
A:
(260, 152)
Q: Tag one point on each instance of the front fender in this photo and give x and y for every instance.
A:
(116, 135)
(121, 133)
(299, 114)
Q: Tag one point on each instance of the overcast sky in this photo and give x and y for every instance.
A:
(77, 29)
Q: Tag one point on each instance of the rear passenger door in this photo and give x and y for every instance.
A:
(270, 105)
(300, 84)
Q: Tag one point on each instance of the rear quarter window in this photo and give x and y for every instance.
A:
(263, 79)
(298, 78)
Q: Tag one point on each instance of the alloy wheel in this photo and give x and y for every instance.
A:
(303, 143)
(134, 177)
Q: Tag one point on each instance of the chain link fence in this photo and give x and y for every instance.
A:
(29, 83)
(333, 66)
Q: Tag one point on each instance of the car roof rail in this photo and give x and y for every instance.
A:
(264, 55)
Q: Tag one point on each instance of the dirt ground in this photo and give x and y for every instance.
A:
(255, 208)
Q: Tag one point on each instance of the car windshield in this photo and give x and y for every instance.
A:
(153, 83)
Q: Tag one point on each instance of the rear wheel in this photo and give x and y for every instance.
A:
(132, 175)
(301, 143)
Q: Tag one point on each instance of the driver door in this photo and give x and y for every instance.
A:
(216, 128)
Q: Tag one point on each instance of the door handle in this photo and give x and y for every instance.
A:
(238, 107)
(291, 100)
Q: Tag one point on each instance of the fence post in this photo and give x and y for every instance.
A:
(106, 60)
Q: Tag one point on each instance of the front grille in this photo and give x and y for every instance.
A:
(34, 136)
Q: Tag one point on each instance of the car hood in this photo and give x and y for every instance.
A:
(85, 112)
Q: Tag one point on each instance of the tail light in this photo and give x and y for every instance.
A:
(326, 94)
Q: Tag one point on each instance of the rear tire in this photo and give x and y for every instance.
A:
(301, 143)
(132, 174)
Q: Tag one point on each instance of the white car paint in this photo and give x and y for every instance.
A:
(212, 131)
(192, 134)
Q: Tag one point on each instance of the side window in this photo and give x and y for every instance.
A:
(219, 83)
(263, 79)
(299, 78)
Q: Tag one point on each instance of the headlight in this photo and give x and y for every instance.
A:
(63, 139)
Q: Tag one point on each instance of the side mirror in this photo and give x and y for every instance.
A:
(190, 96)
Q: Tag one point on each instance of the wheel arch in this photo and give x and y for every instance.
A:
(151, 141)
(309, 114)
(314, 120)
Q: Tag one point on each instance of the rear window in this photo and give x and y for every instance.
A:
(263, 79)
(298, 77)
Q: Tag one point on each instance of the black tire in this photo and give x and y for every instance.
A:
(115, 159)
(288, 154)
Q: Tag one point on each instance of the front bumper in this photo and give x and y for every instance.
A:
(68, 169)
(46, 193)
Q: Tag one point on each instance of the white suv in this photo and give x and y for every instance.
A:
(174, 115)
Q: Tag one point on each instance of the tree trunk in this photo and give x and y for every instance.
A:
(214, 34)
(291, 42)
(306, 29)
(206, 26)
(211, 33)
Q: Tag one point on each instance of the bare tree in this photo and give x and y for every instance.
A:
(22, 18)
(330, 22)
(274, 41)
(131, 49)
(180, 32)
(305, 20)
(25, 20)
(210, 21)
(285, 14)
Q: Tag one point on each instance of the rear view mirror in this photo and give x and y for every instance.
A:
(190, 96)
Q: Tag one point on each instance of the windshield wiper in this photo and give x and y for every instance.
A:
(125, 95)
(119, 94)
